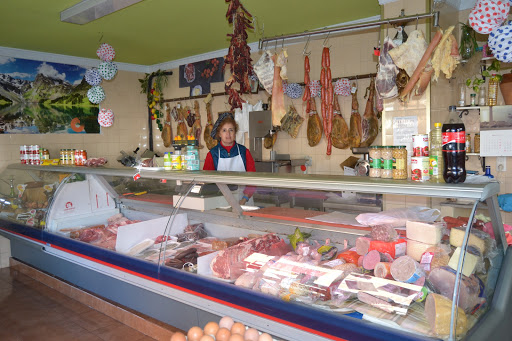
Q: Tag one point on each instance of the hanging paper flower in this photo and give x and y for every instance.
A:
(106, 52)
(96, 94)
(107, 70)
(106, 118)
(314, 87)
(342, 87)
(293, 90)
(92, 76)
(488, 15)
(500, 43)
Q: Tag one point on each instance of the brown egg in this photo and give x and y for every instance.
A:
(223, 334)
(251, 334)
(226, 322)
(211, 328)
(265, 337)
(236, 337)
(195, 334)
(178, 337)
(206, 338)
(238, 328)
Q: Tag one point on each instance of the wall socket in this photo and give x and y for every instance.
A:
(501, 163)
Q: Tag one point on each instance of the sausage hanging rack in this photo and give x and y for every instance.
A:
(399, 21)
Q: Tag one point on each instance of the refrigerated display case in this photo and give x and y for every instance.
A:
(124, 234)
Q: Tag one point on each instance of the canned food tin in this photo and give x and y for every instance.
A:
(420, 168)
(420, 145)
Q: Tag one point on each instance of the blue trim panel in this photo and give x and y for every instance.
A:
(350, 328)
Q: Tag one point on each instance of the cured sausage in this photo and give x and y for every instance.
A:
(355, 132)
(314, 130)
(210, 142)
(370, 123)
(339, 133)
(327, 97)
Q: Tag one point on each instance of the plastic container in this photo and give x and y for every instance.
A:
(167, 161)
(176, 160)
(436, 154)
(454, 148)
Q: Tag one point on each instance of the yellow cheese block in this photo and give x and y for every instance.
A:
(470, 262)
(424, 232)
(416, 249)
(457, 236)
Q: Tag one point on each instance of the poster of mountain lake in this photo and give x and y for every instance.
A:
(43, 97)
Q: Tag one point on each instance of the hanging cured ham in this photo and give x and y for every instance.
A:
(314, 131)
(196, 128)
(167, 130)
(278, 109)
(370, 123)
(386, 77)
(181, 129)
(210, 142)
(355, 132)
(339, 134)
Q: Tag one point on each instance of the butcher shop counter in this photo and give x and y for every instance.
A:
(76, 224)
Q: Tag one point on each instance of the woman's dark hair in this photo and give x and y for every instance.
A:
(228, 119)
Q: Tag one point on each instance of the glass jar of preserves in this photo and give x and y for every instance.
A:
(387, 162)
(476, 143)
(468, 143)
(375, 161)
(399, 163)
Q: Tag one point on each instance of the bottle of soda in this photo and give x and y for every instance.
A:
(454, 148)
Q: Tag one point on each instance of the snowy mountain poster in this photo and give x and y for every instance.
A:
(44, 97)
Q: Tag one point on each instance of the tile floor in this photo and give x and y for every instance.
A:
(30, 310)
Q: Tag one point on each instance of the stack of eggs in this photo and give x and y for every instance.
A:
(225, 330)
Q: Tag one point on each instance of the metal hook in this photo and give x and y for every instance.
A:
(282, 45)
(387, 29)
(275, 48)
(417, 18)
(324, 44)
(304, 53)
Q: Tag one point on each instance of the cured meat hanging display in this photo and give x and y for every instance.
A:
(307, 92)
(210, 142)
(196, 128)
(278, 109)
(446, 56)
(181, 129)
(370, 123)
(408, 55)
(339, 134)
(355, 132)
(167, 129)
(239, 53)
(327, 97)
(314, 131)
(386, 77)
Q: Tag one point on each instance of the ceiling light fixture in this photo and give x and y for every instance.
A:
(88, 10)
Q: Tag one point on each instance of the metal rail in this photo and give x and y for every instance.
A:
(371, 24)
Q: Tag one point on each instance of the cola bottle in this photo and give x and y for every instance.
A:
(454, 148)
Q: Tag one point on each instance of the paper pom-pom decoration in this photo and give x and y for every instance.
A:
(106, 118)
(106, 52)
(96, 94)
(500, 43)
(92, 76)
(293, 90)
(488, 15)
(342, 87)
(314, 88)
(107, 70)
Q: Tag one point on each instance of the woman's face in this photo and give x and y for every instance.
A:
(227, 134)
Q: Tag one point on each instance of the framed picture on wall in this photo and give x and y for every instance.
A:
(39, 97)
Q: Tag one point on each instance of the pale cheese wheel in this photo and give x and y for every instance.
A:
(416, 249)
(424, 232)
(457, 236)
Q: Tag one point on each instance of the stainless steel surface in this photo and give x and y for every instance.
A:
(260, 123)
(296, 181)
(398, 20)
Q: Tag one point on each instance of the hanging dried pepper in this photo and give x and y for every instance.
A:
(239, 54)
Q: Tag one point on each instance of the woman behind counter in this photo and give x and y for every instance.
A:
(229, 155)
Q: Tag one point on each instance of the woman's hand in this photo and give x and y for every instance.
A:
(243, 201)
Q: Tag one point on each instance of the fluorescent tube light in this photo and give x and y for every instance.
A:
(88, 10)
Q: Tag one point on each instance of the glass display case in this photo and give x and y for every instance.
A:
(282, 263)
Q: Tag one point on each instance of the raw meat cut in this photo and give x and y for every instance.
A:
(339, 134)
(228, 263)
(386, 77)
(355, 132)
(369, 124)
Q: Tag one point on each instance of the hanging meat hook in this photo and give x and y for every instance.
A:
(324, 44)
(304, 53)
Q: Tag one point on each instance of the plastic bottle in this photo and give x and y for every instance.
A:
(492, 91)
(454, 148)
(436, 154)
(167, 161)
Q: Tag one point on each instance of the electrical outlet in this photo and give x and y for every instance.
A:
(501, 163)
